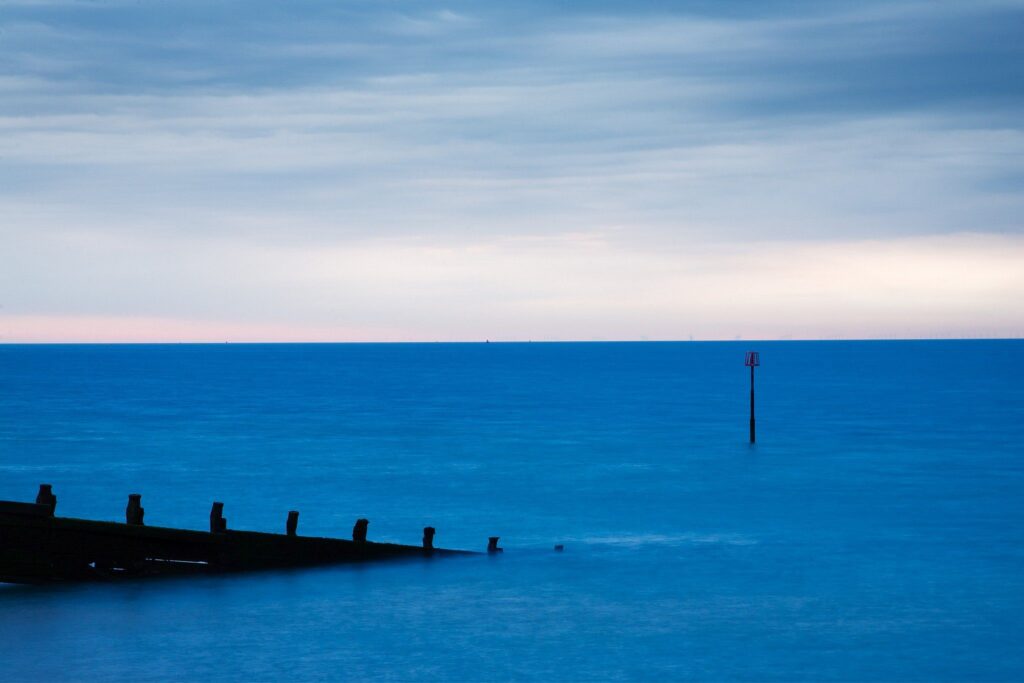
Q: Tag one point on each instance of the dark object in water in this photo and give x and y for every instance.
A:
(38, 547)
(559, 548)
(492, 545)
(752, 360)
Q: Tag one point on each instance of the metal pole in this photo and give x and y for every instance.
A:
(753, 436)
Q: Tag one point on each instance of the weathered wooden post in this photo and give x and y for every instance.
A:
(218, 523)
(134, 512)
(753, 359)
(292, 525)
(428, 537)
(492, 545)
(46, 497)
(359, 530)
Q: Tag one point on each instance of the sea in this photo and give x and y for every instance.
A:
(875, 532)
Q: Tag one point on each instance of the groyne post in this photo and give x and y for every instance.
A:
(359, 530)
(492, 545)
(218, 523)
(428, 537)
(134, 513)
(46, 497)
(292, 525)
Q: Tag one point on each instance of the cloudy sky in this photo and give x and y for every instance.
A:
(342, 170)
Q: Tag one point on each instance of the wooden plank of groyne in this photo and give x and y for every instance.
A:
(37, 547)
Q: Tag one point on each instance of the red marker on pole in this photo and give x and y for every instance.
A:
(752, 361)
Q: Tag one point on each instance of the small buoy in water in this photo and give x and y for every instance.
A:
(559, 548)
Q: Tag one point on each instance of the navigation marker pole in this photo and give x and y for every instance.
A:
(753, 359)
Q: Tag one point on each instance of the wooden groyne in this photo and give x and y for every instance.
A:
(36, 546)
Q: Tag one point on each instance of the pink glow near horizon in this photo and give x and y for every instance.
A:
(565, 289)
(41, 329)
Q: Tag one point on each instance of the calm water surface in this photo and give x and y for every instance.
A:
(875, 533)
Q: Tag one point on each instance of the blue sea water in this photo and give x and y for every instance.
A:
(875, 532)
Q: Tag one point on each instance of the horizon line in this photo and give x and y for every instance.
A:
(502, 341)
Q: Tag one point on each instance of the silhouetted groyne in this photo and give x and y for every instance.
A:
(36, 546)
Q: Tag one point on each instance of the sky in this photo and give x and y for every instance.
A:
(587, 170)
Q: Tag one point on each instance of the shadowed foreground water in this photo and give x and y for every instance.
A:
(874, 533)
